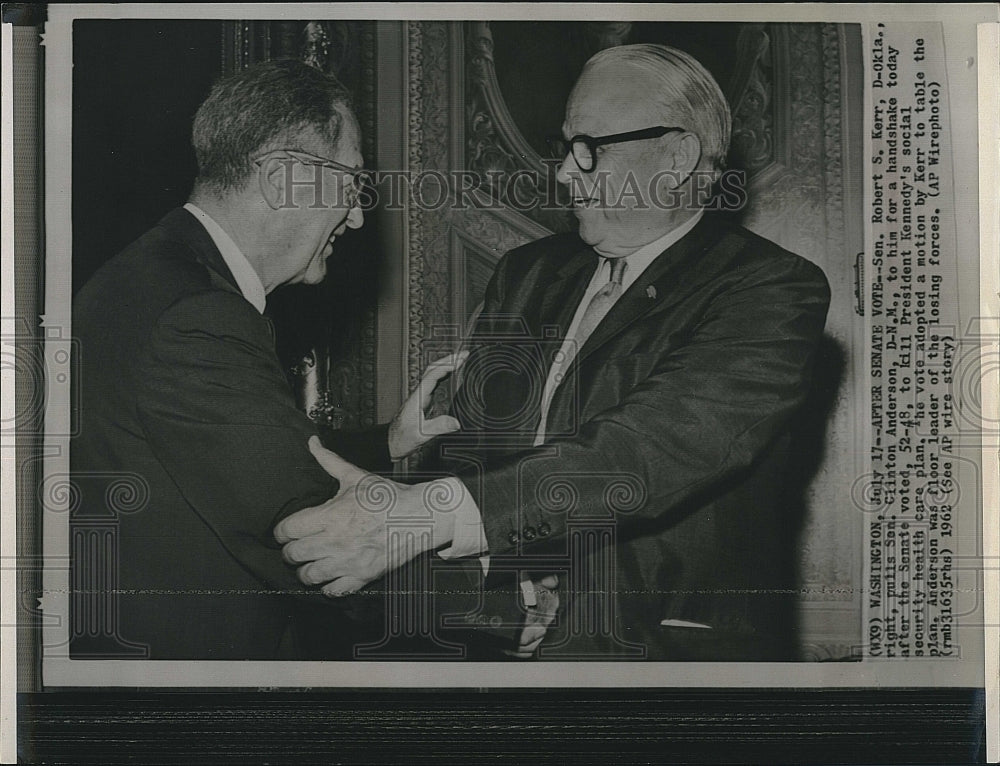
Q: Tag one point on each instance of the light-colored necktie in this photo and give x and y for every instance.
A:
(601, 303)
(596, 310)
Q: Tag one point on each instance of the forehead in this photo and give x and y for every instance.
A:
(610, 99)
(348, 148)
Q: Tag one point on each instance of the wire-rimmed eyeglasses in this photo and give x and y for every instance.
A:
(360, 177)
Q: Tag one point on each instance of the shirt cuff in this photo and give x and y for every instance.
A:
(470, 537)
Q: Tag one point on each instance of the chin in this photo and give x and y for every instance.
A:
(316, 272)
(589, 236)
(314, 278)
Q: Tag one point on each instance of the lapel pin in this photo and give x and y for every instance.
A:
(651, 291)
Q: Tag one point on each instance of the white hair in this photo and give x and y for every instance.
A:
(686, 94)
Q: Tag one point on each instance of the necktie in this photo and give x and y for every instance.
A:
(601, 303)
(596, 310)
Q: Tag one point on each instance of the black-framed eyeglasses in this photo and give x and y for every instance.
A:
(584, 148)
(360, 177)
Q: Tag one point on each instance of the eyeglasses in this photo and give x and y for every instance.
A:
(359, 176)
(584, 148)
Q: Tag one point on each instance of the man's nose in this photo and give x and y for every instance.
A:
(567, 166)
(356, 218)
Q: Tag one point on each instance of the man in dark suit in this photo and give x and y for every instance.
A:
(190, 446)
(626, 406)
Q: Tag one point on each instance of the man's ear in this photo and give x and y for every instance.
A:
(273, 177)
(686, 156)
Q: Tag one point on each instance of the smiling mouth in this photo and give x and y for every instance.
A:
(584, 201)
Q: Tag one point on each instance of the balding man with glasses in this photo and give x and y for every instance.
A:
(626, 408)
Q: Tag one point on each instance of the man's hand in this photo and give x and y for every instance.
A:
(345, 541)
(410, 428)
(539, 618)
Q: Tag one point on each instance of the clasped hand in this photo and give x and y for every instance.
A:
(345, 542)
(411, 427)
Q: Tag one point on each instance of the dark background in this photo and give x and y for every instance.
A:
(136, 87)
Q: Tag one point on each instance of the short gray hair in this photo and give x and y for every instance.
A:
(266, 106)
(687, 94)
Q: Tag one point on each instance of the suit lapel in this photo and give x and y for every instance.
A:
(563, 293)
(560, 288)
(667, 280)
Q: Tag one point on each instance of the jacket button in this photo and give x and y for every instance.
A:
(513, 539)
(544, 529)
(529, 533)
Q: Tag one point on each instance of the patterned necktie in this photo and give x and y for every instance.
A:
(596, 310)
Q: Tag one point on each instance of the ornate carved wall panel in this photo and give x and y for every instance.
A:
(784, 83)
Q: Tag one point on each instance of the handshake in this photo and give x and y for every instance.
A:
(344, 543)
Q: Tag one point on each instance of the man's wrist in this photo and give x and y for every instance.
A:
(438, 495)
(432, 501)
(466, 525)
(392, 437)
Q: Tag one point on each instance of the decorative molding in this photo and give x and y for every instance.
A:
(833, 150)
(417, 248)
(495, 147)
(759, 143)
(519, 223)
(495, 142)
(439, 93)
(316, 45)
(786, 198)
(496, 232)
(243, 42)
(432, 93)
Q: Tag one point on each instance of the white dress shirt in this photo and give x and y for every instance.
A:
(470, 537)
(246, 278)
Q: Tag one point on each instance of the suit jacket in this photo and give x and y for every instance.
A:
(189, 449)
(658, 492)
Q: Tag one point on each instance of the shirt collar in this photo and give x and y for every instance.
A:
(246, 278)
(640, 260)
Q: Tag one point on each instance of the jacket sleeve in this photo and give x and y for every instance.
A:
(220, 417)
(707, 410)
